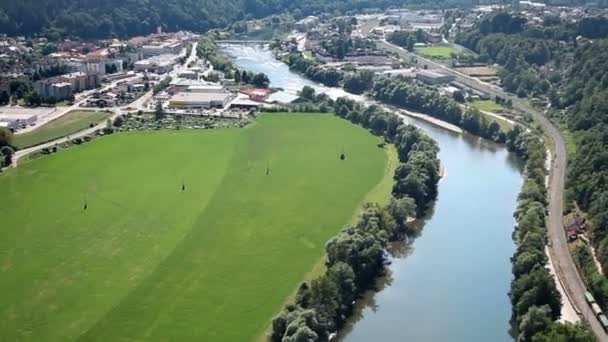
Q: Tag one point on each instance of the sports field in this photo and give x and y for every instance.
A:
(148, 261)
(440, 51)
(67, 124)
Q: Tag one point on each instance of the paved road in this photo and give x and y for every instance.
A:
(566, 269)
(24, 152)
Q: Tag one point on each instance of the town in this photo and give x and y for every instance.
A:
(306, 171)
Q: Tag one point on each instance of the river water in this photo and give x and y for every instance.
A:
(451, 282)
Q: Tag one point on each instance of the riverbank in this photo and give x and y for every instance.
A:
(451, 244)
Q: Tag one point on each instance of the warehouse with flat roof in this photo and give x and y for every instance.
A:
(434, 77)
(198, 100)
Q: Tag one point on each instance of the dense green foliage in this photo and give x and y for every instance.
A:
(417, 97)
(407, 39)
(101, 19)
(356, 255)
(528, 52)
(330, 77)
(535, 299)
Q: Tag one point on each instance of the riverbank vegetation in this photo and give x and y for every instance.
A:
(57, 19)
(534, 296)
(356, 256)
(401, 92)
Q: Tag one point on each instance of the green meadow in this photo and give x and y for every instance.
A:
(187, 235)
(70, 123)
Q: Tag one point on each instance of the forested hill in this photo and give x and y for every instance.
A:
(107, 18)
(104, 18)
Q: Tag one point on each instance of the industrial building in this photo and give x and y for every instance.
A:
(307, 23)
(199, 100)
(15, 117)
(161, 48)
(159, 64)
(434, 77)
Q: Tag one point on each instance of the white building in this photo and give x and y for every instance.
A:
(203, 100)
(163, 48)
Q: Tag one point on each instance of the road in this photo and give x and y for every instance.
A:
(24, 152)
(564, 263)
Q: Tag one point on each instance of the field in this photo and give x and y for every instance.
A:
(481, 71)
(487, 105)
(67, 124)
(148, 261)
(440, 51)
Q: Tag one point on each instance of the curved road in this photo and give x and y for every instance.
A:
(564, 263)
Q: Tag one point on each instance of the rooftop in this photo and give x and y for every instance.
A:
(200, 97)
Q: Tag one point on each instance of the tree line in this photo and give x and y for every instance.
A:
(115, 18)
(400, 92)
(356, 256)
(534, 297)
(417, 97)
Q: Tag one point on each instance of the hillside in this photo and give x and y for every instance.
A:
(121, 18)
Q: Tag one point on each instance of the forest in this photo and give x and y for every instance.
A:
(123, 18)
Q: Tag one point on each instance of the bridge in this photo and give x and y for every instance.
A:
(243, 42)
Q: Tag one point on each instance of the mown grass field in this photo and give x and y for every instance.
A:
(438, 51)
(487, 105)
(68, 124)
(147, 261)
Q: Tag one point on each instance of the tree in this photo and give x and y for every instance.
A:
(260, 80)
(159, 112)
(401, 209)
(536, 320)
(7, 152)
(245, 76)
(4, 98)
(6, 136)
(565, 332)
(237, 76)
(458, 96)
(308, 93)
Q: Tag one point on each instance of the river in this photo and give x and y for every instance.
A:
(451, 283)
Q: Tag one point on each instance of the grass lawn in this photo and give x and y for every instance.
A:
(439, 51)
(147, 261)
(487, 105)
(570, 142)
(69, 123)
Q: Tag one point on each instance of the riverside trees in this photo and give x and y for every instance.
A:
(535, 299)
(357, 255)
